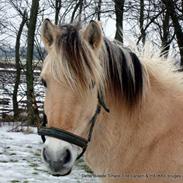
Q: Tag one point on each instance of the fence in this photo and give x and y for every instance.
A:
(7, 80)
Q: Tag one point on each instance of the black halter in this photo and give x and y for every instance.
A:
(70, 137)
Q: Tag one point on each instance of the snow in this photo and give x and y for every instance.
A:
(20, 160)
(13, 69)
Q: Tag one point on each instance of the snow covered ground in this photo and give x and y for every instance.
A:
(20, 161)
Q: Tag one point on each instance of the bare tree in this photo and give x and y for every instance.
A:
(80, 9)
(147, 14)
(99, 10)
(170, 5)
(119, 11)
(141, 21)
(17, 62)
(166, 36)
(33, 114)
(58, 5)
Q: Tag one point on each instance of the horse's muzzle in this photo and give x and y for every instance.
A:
(59, 166)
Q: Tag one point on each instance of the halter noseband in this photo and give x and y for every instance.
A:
(70, 137)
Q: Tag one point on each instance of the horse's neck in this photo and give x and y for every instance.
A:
(119, 137)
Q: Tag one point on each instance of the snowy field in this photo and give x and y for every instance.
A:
(20, 161)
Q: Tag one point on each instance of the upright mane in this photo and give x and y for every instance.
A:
(116, 66)
(125, 73)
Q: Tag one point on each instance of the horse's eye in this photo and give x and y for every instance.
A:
(44, 82)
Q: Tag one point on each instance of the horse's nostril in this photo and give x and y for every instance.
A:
(67, 157)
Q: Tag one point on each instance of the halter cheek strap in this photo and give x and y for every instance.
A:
(92, 121)
(102, 101)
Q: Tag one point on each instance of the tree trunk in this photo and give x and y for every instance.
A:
(80, 9)
(18, 68)
(74, 11)
(141, 21)
(99, 10)
(165, 45)
(119, 11)
(33, 117)
(58, 5)
(177, 27)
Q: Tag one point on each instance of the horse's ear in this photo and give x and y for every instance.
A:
(48, 33)
(93, 34)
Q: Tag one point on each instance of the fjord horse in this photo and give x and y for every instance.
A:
(141, 138)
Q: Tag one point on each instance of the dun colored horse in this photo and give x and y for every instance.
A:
(133, 106)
